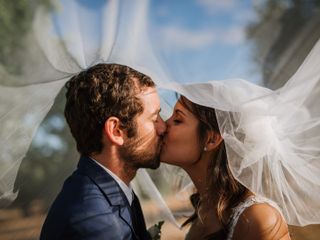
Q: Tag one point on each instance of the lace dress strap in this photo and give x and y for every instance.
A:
(237, 211)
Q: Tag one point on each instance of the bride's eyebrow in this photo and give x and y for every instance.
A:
(177, 111)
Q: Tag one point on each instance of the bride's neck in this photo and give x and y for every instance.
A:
(198, 174)
(206, 208)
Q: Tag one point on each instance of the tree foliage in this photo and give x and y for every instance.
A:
(52, 154)
(15, 22)
(283, 29)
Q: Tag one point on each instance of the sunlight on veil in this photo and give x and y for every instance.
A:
(72, 35)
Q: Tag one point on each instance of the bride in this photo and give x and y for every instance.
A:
(252, 154)
(224, 208)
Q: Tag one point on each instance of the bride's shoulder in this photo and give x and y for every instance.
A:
(261, 221)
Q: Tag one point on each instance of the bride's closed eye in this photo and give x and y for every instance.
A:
(177, 121)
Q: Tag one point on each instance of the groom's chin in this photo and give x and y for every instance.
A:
(150, 163)
(154, 166)
(156, 163)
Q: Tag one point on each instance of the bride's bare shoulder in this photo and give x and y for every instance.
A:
(261, 222)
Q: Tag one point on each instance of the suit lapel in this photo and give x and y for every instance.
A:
(109, 187)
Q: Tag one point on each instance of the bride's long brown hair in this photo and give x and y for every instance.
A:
(223, 187)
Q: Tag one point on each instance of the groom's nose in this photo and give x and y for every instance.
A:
(161, 126)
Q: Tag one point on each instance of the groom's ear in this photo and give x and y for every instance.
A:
(214, 139)
(113, 131)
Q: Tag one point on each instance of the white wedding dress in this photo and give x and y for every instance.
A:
(237, 211)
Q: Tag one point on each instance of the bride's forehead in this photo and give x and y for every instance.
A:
(183, 104)
(180, 107)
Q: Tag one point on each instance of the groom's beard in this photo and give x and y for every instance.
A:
(142, 152)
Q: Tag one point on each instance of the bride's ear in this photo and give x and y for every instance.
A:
(113, 132)
(214, 139)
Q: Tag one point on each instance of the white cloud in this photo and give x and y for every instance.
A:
(182, 38)
(186, 38)
(244, 16)
(232, 36)
(163, 11)
(235, 8)
(231, 9)
(216, 5)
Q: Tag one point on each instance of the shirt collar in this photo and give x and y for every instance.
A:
(124, 187)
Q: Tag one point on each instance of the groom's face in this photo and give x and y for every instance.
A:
(143, 150)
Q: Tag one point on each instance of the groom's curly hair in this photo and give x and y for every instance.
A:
(96, 94)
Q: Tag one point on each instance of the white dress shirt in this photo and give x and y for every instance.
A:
(124, 187)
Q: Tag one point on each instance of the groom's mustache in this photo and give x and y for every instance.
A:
(149, 138)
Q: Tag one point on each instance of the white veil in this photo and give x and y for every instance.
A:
(272, 136)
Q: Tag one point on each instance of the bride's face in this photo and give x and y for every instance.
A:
(181, 141)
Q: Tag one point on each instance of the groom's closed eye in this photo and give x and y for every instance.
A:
(155, 116)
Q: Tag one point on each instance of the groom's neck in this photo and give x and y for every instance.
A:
(112, 161)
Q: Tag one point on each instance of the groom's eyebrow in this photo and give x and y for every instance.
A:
(155, 113)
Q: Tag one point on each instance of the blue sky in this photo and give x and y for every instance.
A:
(207, 34)
(200, 40)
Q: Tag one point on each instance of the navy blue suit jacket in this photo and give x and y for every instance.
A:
(91, 205)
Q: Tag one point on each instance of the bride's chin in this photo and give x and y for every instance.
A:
(167, 158)
(164, 159)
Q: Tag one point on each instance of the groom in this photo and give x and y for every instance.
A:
(113, 114)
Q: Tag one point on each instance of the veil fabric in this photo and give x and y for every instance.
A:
(60, 44)
(272, 136)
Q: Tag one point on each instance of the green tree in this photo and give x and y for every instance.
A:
(52, 153)
(50, 159)
(15, 22)
(282, 35)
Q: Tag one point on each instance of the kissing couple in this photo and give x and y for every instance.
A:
(113, 112)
